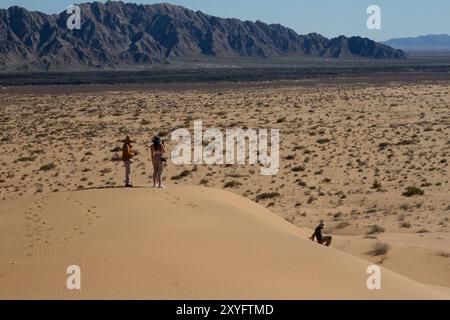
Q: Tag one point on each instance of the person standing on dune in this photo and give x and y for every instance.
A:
(127, 156)
(320, 238)
(158, 150)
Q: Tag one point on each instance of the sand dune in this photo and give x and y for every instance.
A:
(185, 242)
(421, 257)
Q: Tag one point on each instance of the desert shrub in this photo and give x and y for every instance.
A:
(311, 200)
(383, 146)
(25, 159)
(116, 157)
(47, 167)
(267, 195)
(234, 175)
(405, 207)
(405, 225)
(380, 249)
(413, 191)
(444, 254)
(342, 225)
(290, 157)
(298, 169)
(376, 185)
(323, 141)
(375, 229)
(337, 215)
(232, 184)
(182, 175)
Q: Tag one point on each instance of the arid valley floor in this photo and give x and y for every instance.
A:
(348, 154)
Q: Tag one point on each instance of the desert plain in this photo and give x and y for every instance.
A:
(371, 160)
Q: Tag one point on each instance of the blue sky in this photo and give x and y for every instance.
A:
(400, 18)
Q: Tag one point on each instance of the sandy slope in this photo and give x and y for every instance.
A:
(421, 257)
(181, 243)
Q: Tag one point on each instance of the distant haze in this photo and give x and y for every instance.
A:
(429, 43)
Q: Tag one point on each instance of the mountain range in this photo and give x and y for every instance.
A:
(428, 43)
(119, 35)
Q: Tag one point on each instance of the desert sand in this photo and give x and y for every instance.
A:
(181, 243)
(348, 153)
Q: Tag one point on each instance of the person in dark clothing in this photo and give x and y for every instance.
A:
(319, 236)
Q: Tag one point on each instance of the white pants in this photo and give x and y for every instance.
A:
(127, 172)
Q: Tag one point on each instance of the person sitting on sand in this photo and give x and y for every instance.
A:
(158, 159)
(320, 238)
(127, 156)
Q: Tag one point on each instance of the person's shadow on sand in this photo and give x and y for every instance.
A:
(111, 188)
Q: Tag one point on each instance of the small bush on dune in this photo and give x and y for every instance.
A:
(232, 184)
(182, 175)
(342, 225)
(380, 249)
(375, 229)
